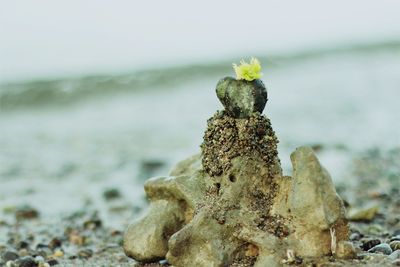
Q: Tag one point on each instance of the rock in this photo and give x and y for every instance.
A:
(395, 245)
(22, 244)
(26, 213)
(241, 98)
(369, 243)
(381, 248)
(355, 236)
(345, 250)
(396, 262)
(52, 262)
(316, 205)
(55, 243)
(111, 193)
(27, 262)
(85, 253)
(9, 256)
(395, 255)
(394, 238)
(232, 205)
(363, 214)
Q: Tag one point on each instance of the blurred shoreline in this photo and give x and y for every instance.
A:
(58, 91)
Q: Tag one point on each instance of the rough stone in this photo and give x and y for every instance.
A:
(242, 98)
(232, 206)
(345, 250)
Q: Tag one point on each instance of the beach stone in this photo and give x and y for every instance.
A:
(363, 214)
(27, 262)
(381, 248)
(355, 236)
(369, 243)
(394, 238)
(242, 98)
(52, 262)
(395, 255)
(395, 245)
(9, 256)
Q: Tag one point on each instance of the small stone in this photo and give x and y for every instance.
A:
(77, 239)
(112, 193)
(92, 223)
(39, 259)
(11, 264)
(370, 243)
(395, 255)
(345, 250)
(85, 253)
(395, 245)
(52, 262)
(55, 243)
(396, 232)
(23, 244)
(355, 236)
(242, 98)
(395, 238)
(26, 213)
(23, 252)
(363, 214)
(58, 253)
(27, 262)
(9, 256)
(396, 262)
(381, 249)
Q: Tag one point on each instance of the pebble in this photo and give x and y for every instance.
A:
(26, 213)
(370, 243)
(394, 238)
(395, 255)
(9, 256)
(23, 244)
(55, 243)
(381, 249)
(27, 262)
(85, 253)
(58, 253)
(355, 236)
(11, 264)
(112, 193)
(23, 252)
(395, 245)
(52, 262)
(363, 214)
(396, 232)
(396, 263)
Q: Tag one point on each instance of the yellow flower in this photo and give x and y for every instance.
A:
(248, 71)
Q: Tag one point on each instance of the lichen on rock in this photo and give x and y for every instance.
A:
(232, 206)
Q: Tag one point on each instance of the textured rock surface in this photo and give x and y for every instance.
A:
(231, 205)
(241, 98)
(212, 221)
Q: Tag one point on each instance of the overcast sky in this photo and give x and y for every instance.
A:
(50, 38)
